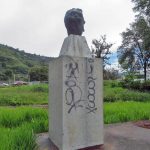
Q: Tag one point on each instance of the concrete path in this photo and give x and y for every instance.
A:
(124, 136)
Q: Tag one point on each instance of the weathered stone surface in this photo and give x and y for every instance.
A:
(75, 103)
(76, 46)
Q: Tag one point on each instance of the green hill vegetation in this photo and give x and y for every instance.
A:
(19, 63)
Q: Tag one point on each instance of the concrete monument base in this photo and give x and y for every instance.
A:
(49, 145)
(75, 102)
(124, 136)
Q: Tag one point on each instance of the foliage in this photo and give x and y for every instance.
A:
(24, 95)
(126, 111)
(19, 125)
(134, 52)
(129, 77)
(38, 94)
(18, 62)
(15, 117)
(101, 49)
(114, 91)
(137, 85)
(142, 7)
(39, 74)
(21, 138)
(3, 77)
(110, 74)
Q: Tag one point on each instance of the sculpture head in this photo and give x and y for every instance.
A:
(74, 21)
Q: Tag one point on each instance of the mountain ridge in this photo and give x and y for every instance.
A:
(18, 61)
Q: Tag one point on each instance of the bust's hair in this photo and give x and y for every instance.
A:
(73, 18)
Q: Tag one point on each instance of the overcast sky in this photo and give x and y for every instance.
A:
(37, 26)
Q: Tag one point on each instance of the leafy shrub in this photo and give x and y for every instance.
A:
(113, 94)
(146, 85)
(40, 88)
(112, 83)
(136, 85)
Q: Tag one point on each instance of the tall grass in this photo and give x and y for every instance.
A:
(114, 92)
(20, 138)
(19, 125)
(126, 111)
(14, 117)
(24, 95)
(38, 94)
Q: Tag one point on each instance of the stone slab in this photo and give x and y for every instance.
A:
(76, 102)
(124, 136)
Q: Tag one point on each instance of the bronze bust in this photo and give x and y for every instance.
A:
(74, 21)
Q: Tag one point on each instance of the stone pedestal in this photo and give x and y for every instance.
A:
(75, 46)
(75, 102)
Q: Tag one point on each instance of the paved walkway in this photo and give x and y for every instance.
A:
(124, 136)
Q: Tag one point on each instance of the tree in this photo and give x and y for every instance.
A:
(39, 73)
(3, 77)
(8, 73)
(135, 46)
(111, 74)
(101, 49)
(143, 7)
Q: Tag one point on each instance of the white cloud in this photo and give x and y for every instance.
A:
(37, 26)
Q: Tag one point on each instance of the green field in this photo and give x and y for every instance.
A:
(20, 124)
(126, 111)
(24, 95)
(113, 92)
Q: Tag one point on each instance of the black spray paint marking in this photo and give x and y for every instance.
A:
(72, 70)
(91, 88)
(73, 93)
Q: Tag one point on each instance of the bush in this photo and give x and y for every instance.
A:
(117, 93)
(136, 85)
(40, 88)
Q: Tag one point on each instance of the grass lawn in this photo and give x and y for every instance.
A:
(38, 94)
(19, 125)
(24, 95)
(113, 92)
(126, 111)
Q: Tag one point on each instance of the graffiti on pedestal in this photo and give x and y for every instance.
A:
(74, 92)
(91, 107)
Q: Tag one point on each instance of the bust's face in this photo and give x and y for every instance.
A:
(80, 27)
(74, 22)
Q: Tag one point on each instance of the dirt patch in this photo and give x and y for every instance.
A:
(143, 124)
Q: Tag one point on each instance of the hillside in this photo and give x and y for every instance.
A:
(19, 62)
